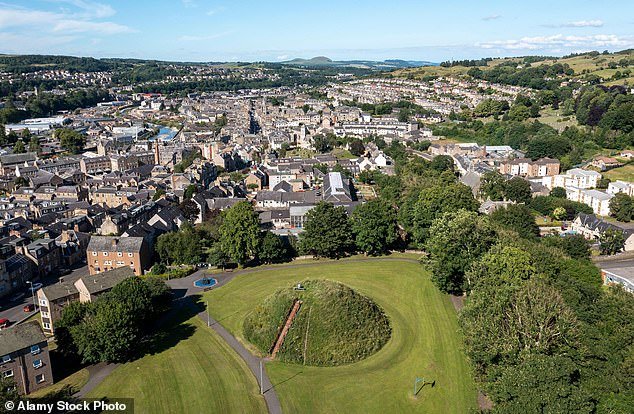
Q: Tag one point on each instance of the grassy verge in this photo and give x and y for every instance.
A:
(197, 374)
(75, 381)
(425, 342)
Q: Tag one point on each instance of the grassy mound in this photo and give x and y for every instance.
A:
(334, 326)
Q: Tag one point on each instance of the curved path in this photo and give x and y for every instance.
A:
(184, 289)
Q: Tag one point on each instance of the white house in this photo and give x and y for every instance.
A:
(575, 177)
(621, 187)
(598, 200)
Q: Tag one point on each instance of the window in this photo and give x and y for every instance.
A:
(119, 254)
(8, 373)
(45, 314)
(105, 253)
(130, 254)
(37, 363)
(39, 378)
(35, 349)
(107, 262)
(46, 325)
(120, 263)
(94, 253)
(43, 302)
(6, 358)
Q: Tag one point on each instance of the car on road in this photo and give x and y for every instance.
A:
(35, 286)
(4, 322)
(29, 308)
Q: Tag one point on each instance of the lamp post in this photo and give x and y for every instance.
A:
(32, 295)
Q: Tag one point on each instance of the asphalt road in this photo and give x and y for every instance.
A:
(14, 310)
(616, 263)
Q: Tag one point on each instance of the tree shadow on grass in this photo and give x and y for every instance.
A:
(171, 328)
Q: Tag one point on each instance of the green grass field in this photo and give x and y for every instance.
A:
(624, 173)
(425, 342)
(199, 374)
(75, 381)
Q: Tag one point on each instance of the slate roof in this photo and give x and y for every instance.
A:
(65, 287)
(592, 222)
(115, 244)
(20, 337)
(106, 280)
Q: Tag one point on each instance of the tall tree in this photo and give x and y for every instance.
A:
(437, 200)
(622, 207)
(456, 240)
(518, 190)
(374, 226)
(518, 218)
(612, 241)
(19, 148)
(71, 140)
(107, 333)
(272, 249)
(327, 232)
(240, 232)
(492, 186)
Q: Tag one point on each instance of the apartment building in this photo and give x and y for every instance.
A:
(106, 253)
(525, 167)
(576, 177)
(25, 357)
(53, 298)
(598, 200)
(619, 186)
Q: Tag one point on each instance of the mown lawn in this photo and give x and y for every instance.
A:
(196, 372)
(425, 342)
(74, 381)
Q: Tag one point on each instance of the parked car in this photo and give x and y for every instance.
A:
(29, 308)
(4, 322)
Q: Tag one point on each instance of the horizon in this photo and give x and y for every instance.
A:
(200, 31)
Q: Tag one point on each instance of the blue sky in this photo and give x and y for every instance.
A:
(218, 30)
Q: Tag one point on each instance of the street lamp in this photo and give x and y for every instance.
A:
(33, 295)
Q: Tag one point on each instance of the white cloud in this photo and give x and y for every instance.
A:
(559, 41)
(584, 23)
(90, 8)
(63, 22)
(189, 3)
(491, 17)
(578, 23)
(81, 26)
(282, 57)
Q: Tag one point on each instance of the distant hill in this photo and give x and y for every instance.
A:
(361, 64)
(610, 68)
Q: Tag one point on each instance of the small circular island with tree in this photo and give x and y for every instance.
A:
(318, 322)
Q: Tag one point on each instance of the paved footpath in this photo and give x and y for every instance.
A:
(184, 289)
(253, 362)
